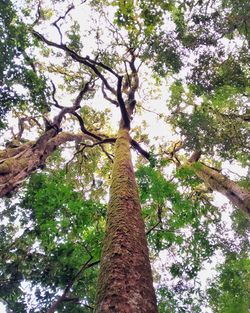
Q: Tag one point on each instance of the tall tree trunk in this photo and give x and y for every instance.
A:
(125, 283)
(239, 196)
(16, 164)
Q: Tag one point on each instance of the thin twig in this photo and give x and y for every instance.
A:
(56, 104)
(62, 17)
(92, 64)
(107, 97)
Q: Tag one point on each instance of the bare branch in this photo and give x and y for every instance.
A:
(150, 111)
(38, 14)
(72, 109)
(109, 155)
(62, 17)
(138, 148)
(107, 97)
(106, 140)
(83, 128)
(56, 104)
(152, 228)
(92, 64)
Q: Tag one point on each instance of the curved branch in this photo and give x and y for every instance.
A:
(83, 128)
(107, 97)
(83, 60)
(56, 104)
(62, 17)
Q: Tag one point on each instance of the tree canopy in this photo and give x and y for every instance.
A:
(175, 75)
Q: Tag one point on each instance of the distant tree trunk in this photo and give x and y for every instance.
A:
(214, 179)
(16, 164)
(56, 304)
(125, 283)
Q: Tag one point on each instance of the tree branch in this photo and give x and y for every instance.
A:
(62, 17)
(152, 228)
(38, 14)
(83, 128)
(124, 113)
(85, 266)
(195, 156)
(107, 97)
(73, 108)
(83, 60)
(138, 148)
(56, 104)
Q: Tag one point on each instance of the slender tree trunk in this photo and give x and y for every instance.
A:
(66, 291)
(239, 196)
(56, 304)
(125, 283)
(16, 164)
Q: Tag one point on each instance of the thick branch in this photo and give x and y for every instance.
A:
(125, 117)
(195, 156)
(16, 166)
(138, 148)
(54, 127)
(135, 83)
(240, 197)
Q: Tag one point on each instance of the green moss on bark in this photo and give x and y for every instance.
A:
(6, 166)
(125, 281)
(239, 196)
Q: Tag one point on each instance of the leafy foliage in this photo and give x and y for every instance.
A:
(55, 225)
(214, 123)
(230, 291)
(59, 237)
(21, 85)
(177, 222)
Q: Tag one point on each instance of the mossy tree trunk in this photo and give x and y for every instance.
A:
(17, 164)
(214, 179)
(125, 282)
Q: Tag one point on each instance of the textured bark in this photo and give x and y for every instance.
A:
(16, 164)
(239, 196)
(125, 283)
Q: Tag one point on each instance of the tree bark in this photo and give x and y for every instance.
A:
(125, 282)
(16, 164)
(214, 179)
